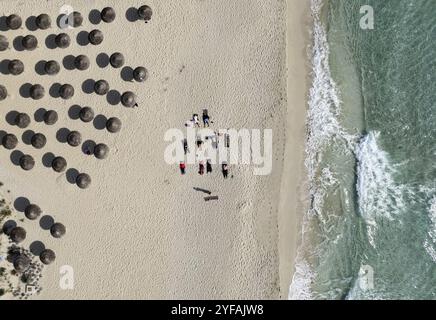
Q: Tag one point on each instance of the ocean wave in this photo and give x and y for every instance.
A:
(378, 195)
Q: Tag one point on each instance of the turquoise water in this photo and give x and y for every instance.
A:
(370, 232)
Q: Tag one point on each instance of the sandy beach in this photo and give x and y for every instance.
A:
(141, 230)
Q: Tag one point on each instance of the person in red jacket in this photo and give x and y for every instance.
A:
(182, 167)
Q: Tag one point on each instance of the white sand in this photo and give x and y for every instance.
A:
(140, 230)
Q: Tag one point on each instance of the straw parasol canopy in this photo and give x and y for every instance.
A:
(58, 230)
(140, 74)
(113, 125)
(38, 140)
(10, 141)
(77, 19)
(37, 92)
(145, 13)
(27, 162)
(117, 60)
(22, 120)
(32, 212)
(95, 37)
(108, 14)
(15, 67)
(4, 43)
(14, 22)
(128, 99)
(59, 164)
(101, 87)
(43, 21)
(47, 256)
(86, 114)
(63, 40)
(3, 93)
(50, 117)
(101, 151)
(18, 234)
(82, 62)
(66, 91)
(74, 138)
(21, 263)
(30, 42)
(52, 67)
(83, 180)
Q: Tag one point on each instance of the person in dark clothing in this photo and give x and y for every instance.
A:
(225, 170)
(208, 167)
(185, 146)
(201, 170)
(206, 120)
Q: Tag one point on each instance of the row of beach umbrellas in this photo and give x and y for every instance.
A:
(43, 21)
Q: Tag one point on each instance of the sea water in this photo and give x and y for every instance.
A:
(370, 229)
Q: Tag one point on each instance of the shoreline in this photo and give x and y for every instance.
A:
(292, 191)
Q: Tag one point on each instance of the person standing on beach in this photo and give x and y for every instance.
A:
(225, 170)
(208, 167)
(206, 118)
(182, 168)
(201, 170)
(185, 146)
(196, 121)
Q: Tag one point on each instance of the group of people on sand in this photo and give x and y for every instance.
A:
(204, 166)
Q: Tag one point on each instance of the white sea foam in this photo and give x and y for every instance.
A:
(301, 281)
(430, 243)
(378, 195)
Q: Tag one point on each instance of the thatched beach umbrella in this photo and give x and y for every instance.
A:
(128, 99)
(43, 21)
(18, 234)
(16, 67)
(145, 13)
(86, 114)
(74, 138)
(38, 141)
(83, 180)
(4, 43)
(50, 117)
(113, 125)
(82, 62)
(14, 22)
(10, 141)
(140, 74)
(52, 67)
(22, 120)
(63, 40)
(66, 91)
(101, 87)
(95, 37)
(47, 256)
(21, 263)
(29, 42)
(101, 151)
(27, 162)
(108, 14)
(77, 19)
(58, 230)
(117, 60)
(59, 164)
(32, 212)
(3, 93)
(37, 92)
